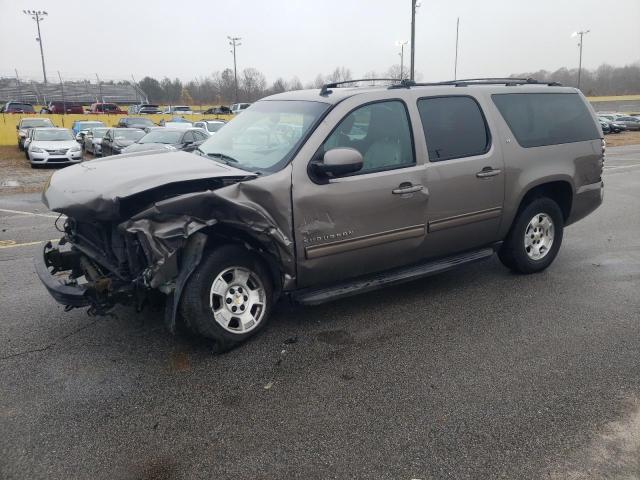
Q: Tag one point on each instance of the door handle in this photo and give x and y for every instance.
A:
(487, 172)
(407, 188)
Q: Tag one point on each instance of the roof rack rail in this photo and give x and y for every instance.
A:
(508, 81)
(325, 88)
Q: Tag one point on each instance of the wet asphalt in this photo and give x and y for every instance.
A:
(475, 373)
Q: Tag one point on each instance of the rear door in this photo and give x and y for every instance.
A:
(465, 175)
(369, 221)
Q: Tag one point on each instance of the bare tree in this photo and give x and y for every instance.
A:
(253, 84)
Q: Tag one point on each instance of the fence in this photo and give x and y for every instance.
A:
(8, 122)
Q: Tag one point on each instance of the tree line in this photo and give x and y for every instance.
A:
(220, 87)
(604, 80)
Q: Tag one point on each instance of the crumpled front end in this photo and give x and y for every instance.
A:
(152, 241)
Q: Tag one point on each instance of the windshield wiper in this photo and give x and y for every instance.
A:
(225, 158)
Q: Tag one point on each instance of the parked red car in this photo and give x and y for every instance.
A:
(63, 107)
(110, 108)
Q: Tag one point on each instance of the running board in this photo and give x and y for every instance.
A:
(316, 296)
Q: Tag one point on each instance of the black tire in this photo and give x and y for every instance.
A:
(513, 253)
(20, 147)
(195, 308)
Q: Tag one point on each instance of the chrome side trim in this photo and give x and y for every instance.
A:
(464, 219)
(371, 240)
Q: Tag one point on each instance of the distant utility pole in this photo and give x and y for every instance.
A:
(414, 5)
(19, 85)
(580, 34)
(64, 101)
(401, 44)
(455, 65)
(38, 16)
(99, 89)
(235, 42)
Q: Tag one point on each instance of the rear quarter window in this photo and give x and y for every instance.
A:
(539, 119)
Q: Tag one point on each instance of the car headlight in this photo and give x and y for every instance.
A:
(36, 150)
(75, 148)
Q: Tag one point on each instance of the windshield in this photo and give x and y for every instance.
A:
(98, 132)
(214, 126)
(36, 122)
(52, 135)
(265, 136)
(181, 109)
(128, 134)
(85, 125)
(140, 121)
(162, 136)
(107, 107)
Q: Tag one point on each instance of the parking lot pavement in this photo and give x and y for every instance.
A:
(475, 373)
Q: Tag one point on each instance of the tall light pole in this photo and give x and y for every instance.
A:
(235, 42)
(401, 44)
(38, 16)
(455, 65)
(580, 34)
(414, 5)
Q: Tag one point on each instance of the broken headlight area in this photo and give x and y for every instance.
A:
(106, 266)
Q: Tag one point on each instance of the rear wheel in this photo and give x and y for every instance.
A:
(535, 237)
(228, 298)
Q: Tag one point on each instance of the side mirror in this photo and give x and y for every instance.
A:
(338, 161)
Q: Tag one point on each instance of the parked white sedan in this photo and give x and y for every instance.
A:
(52, 146)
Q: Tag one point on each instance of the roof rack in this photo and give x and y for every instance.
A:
(406, 83)
(325, 88)
(508, 81)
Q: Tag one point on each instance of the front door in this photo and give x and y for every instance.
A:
(368, 221)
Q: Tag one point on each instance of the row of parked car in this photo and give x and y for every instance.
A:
(612, 122)
(44, 143)
(60, 107)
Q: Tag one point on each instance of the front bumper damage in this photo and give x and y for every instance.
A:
(112, 259)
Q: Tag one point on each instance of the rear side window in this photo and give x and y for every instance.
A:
(454, 127)
(538, 119)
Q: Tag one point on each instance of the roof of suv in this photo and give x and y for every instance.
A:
(333, 94)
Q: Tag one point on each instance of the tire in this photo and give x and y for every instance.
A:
(535, 237)
(226, 266)
(20, 147)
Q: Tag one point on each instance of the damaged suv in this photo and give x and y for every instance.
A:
(320, 194)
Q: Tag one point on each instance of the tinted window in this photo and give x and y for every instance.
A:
(538, 119)
(380, 132)
(188, 137)
(454, 127)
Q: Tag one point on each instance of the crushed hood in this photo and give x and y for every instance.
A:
(94, 188)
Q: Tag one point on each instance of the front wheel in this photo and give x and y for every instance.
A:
(535, 237)
(228, 297)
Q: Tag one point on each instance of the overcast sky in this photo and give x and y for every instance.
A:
(188, 38)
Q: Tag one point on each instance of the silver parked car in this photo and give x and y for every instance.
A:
(26, 124)
(210, 126)
(93, 140)
(52, 146)
(630, 123)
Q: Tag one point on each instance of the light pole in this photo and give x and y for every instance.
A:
(414, 5)
(580, 34)
(455, 65)
(38, 16)
(401, 44)
(235, 42)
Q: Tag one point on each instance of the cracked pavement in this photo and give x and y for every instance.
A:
(475, 373)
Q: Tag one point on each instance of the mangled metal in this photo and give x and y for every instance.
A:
(145, 235)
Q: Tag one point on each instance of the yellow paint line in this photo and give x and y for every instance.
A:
(20, 212)
(14, 244)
